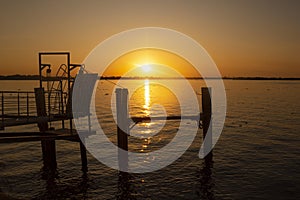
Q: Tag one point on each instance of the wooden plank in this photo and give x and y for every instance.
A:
(179, 117)
(73, 138)
(16, 134)
(22, 120)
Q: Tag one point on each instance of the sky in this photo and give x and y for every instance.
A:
(244, 38)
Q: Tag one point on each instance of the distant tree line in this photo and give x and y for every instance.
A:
(20, 77)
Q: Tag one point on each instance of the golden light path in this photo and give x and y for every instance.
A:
(147, 96)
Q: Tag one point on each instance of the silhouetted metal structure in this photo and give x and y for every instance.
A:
(43, 106)
(55, 104)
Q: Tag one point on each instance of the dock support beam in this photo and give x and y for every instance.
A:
(84, 167)
(123, 127)
(48, 146)
(2, 111)
(207, 130)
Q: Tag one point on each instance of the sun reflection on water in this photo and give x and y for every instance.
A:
(147, 97)
(151, 99)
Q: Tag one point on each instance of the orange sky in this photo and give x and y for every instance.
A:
(150, 62)
(245, 38)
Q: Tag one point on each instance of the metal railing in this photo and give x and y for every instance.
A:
(16, 104)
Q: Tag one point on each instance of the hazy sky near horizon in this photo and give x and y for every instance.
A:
(245, 38)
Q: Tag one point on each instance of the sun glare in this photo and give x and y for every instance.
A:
(146, 68)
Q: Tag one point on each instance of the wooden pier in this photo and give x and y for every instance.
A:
(60, 134)
(43, 107)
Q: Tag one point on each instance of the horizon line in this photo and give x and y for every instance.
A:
(36, 77)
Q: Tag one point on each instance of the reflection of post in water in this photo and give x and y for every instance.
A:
(75, 187)
(51, 188)
(125, 189)
(206, 181)
(83, 187)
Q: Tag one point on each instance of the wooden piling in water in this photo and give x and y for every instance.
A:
(84, 167)
(18, 103)
(2, 111)
(123, 127)
(48, 146)
(207, 130)
(27, 105)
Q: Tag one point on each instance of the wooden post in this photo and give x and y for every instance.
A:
(48, 146)
(18, 99)
(27, 105)
(207, 111)
(62, 112)
(123, 127)
(2, 107)
(84, 167)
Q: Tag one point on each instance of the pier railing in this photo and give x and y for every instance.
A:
(21, 105)
(17, 104)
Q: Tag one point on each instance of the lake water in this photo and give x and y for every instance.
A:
(256, 157)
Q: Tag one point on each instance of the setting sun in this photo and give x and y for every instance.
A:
(150, 62)
(146, 67)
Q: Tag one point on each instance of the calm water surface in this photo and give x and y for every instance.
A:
(257, 156)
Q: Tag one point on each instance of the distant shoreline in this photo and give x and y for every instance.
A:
(36, 77)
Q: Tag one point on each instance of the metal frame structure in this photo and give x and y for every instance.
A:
(69, 78)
